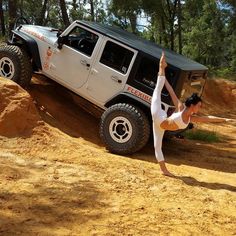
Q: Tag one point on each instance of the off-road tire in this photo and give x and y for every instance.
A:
(124, 128)
(15, 64)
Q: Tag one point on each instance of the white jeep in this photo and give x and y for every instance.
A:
(109, 67)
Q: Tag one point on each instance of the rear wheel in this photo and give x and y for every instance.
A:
(15, 65)
(124, 128)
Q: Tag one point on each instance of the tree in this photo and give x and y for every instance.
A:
(171, 12)
(91, 2)
(65, 17)
(77, 10)
(179, 13)
(126, 12)
(229, 9)
(12, 6)
(3, 29)
(204, 36)
(166, 20)
(41, 18)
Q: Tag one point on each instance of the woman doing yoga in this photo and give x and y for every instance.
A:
(180, 119)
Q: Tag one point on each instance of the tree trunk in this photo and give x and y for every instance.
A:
(41, 19)
(64, 13)
(92, 10)
(74, 5)
(21, 7)
(171, 20)
(180, 26)
(12, 14)
(164, 36)
(133, 21)
(2, 20)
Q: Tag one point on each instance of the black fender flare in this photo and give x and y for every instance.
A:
(31, 44)
(130, 99)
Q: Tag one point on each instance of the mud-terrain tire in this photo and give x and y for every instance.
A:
(124, 129)
(15, 65)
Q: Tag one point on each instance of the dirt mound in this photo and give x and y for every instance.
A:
(219, 97)
(18, 114)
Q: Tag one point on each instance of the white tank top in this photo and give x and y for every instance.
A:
(177, 118)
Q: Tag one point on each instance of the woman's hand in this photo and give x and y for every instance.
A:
(229, 120)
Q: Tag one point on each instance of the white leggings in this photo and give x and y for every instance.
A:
(158, 115)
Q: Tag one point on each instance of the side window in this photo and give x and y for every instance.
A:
(82, 40)
(116, 57)
(148, 70)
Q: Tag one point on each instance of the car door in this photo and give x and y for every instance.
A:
(110, 71)
(71, 64)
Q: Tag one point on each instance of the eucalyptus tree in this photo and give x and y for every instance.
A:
(2, 25)
(165, 18)
(204, 32)
(229, 7)
(64, 13)
(12, 7)
(125, 12)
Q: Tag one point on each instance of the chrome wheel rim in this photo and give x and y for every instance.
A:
(7, 68)
(120, 129)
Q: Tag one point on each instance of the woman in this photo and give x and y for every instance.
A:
(180, 119)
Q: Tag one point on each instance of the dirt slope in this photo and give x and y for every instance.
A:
(220, 97)
(60, 180)
(18, 114)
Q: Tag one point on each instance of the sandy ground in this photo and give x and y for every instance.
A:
(58, 179)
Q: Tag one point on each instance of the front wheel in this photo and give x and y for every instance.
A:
(15, 65)
(124, 128)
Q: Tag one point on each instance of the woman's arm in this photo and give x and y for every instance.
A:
(177, 103)
(206, 119)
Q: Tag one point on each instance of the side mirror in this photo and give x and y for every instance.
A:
(61, 40)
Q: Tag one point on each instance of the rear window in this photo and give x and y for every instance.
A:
(148, 70)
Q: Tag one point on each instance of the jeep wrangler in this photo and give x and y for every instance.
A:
(111, 68)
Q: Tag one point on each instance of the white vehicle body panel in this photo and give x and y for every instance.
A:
(105, 82)
(97, 83)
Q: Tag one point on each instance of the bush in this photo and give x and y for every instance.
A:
(226, 73)
(202, 135)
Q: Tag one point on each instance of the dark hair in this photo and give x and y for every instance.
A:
(193, 99)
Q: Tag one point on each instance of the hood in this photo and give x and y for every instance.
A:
(47, 34)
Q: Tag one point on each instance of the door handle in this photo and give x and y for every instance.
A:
(116, 79)
(94, 71)
(85, 63)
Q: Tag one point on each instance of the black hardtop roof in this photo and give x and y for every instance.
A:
(145, 46)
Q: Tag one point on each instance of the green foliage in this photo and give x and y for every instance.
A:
(203, 30)
(124, 13)
(224, 72)
(202, 135)
(204, 39)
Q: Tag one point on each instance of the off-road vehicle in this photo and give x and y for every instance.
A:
(109, 67)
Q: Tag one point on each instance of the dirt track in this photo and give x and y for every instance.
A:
(58, 179)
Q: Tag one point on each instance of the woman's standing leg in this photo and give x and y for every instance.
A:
(158, 134)
(159, 115)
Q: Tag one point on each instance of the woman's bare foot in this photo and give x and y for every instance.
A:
(164, 169)
(167, 173)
